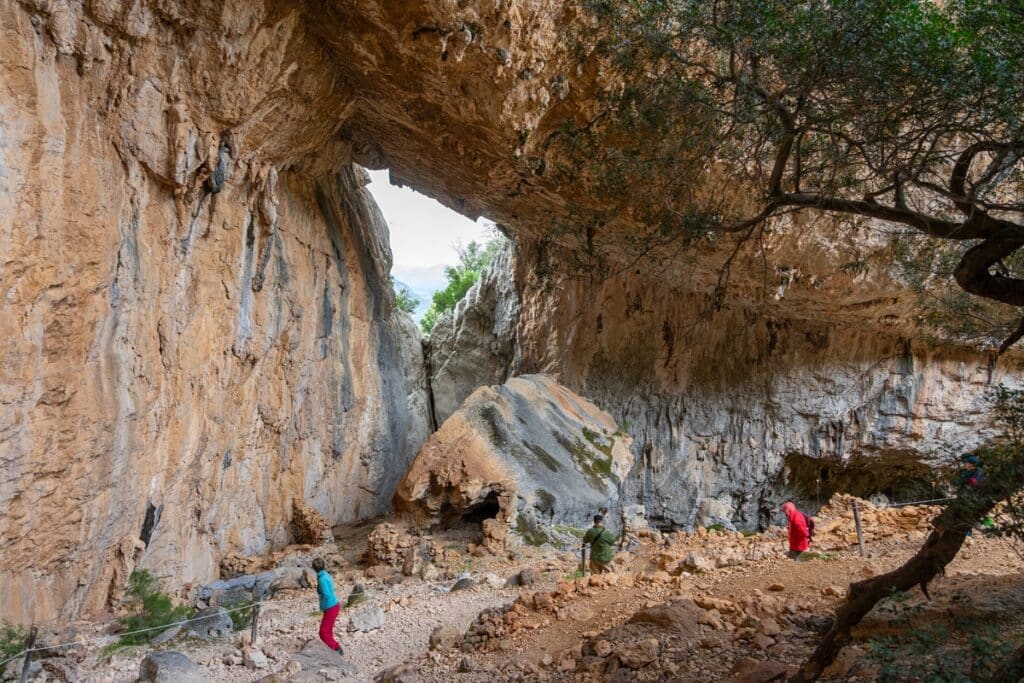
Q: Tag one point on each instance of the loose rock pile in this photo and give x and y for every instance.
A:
(836, 529)
(696, 630)
(389, 544)
(308, 525)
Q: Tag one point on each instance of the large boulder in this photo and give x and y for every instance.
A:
(366, 618)
(525, 453)
(315, 658)
(169, 667)
(212, 622)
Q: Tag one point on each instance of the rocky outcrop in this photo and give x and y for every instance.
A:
(197, 327)
(475, 344)
(522, 453)
(717, 400)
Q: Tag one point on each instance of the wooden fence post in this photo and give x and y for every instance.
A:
(29, 644)
(255, 622)
(860, 531)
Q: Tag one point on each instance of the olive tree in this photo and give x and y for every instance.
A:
(907, 112)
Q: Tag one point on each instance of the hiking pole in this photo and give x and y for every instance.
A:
(28, 654)
(860, 532)
(583, 561)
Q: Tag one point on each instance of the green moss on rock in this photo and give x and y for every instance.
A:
(531, 534)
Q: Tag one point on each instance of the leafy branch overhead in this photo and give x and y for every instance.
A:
(908, 112)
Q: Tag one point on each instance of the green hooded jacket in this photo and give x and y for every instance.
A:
(602, 544)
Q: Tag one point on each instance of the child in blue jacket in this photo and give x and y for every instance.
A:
(329, 604)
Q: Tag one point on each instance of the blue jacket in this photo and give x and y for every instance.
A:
(325, 589)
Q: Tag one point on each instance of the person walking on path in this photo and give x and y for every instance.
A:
(971, 475)
(602, 546)
(329, 605)
(800, 529)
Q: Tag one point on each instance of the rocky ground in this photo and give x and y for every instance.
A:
(712, 605)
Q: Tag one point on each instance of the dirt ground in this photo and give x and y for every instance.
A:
(754, 615)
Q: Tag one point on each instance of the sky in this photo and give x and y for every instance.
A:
(424, 235)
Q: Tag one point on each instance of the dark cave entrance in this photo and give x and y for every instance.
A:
(467, 522)
(488, 508)
(900, 476)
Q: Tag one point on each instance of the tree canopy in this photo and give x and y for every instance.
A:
(405, 300)
(473, 258)
(910, 112)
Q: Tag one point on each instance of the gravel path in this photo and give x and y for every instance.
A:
(285, 629)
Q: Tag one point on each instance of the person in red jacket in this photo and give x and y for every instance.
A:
(799, 530)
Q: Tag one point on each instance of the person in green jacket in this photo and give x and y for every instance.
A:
(602, 546)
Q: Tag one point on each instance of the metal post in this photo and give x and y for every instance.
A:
(860, 532)
(583, 561)
(255, 621)
(29, 644)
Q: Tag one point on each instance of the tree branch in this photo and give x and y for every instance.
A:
(926, 224)
(973, 273)
(1014, 337)
(962, 167)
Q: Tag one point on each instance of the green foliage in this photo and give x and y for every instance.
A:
(578, 574)
(974, 650)
(812, 555)
(240, 612)
(717, 528)
(1002, 459)
(12, 639)
(405, 300)
(153, 609)
(571, 530)
(472, 260)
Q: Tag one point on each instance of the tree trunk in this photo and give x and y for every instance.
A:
(949, 530)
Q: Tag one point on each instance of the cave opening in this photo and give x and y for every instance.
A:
(488, 508)
(152, 518)
(897, 476)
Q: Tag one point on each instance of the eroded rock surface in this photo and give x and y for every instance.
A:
(715, 401)
(197, 328)
(475, 344)
(526, 452)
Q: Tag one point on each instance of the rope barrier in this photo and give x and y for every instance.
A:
(921, 502)
(164, 627)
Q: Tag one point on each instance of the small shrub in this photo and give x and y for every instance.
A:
(715, 527)
(812, 555)
(578, 574)
(12, 640)
(240, 613)
(155, 609)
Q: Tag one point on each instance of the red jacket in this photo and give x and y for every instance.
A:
(799, 536)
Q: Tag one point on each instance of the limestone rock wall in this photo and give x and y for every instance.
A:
(196, 327)
(475, 344)
(716, 400)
